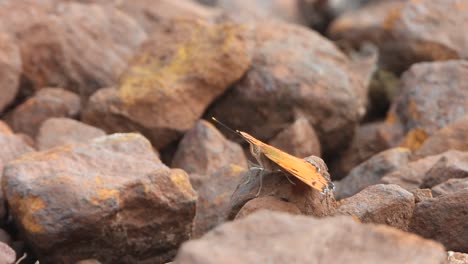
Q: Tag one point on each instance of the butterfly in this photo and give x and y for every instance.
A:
(310, 170)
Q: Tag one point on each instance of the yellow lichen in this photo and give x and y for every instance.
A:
(180, 179)
(414, 139)
(27, 208)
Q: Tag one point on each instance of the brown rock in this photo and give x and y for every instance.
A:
(405, 30)
(172, 80)
(88, 261)
(411, 176)
(446, 168)
(7, 254)
(5, 129)
(295, 73)
(71, 45)
(450, 186)
(421, 194)
(46, 103)
(204, 150)
(457, 258)
(272, 237)
(453, 136)
(112, 200)
(366, 143)
(299, 139)
(444, 219)
(5, 237)
(10, 63)
(267, 203)
(60, 131)
(371, 171)
(380, 204)
(214, 196)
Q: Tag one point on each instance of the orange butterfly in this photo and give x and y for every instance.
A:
(307, 170)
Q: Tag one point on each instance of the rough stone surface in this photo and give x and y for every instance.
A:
(446, 168)
(214, 196)
(60, 131)
(380, 204)
(46, 103)
(371, 171)
(10, 63)
(175, 76)
(267, 203)
(7, 254)
(450, 186)
(112, 200)
(272, 237)
(445, 219)
(204, 150)
(421, 194)
(299, 139)
(295, 73)
(5, 129)
(457, 258)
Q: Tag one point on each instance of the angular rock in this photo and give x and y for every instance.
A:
(111, 199)
(299, 139)
(405, 30)
(46, 103)
(12, 146)
(267, 203)
(446, 168)
(380, 204)
(450, 186)
(214, 197)
(272, 237)
(444, 219)
(295, 73)
(171, 81)
(457, 258)
(7, 254)
(371, 171)
(60, 131)
(204, 150)
(71, 45)
(366, 143)
(421, 194)
(5, 129)
(10, 63)
(5, 237)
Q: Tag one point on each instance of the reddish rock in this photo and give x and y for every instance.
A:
(272, 237)
(88, 261)
(299, 139)
(60, 131)
(7, 254)
(172, 80)
(453, 136)
(444, 219)
(10, 63)
(295, 73)
(214, 197)
(113, 192)
(46, 103)
(204, 150)
(380, 204)
(5, 237)
(450, 186)
(267, 203)
(5, 129)
(371, 171)
(446, 168)
(421, 194)
(71, 45)
(366, 142)
(457, 258)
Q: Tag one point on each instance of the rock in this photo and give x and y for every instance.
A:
(272, 237)
(7, 254)
(450, 186)
(421, 194)
(71, 45)
(60, 131)
(299, 139)
(10, 63)
(453, 136)
(457, 258)
(214, 197)
(267, 203)
(204, 150)
(5, 129)
(371, 171)
(405, 31)
(446, 168)
(284, 187)
(366, 142)
(380, 204)
(88, 261)
(295, 73)
(46, 103)
(411, 176)
(444, 219)
(168, 85)
(111, 199)
(5, 237)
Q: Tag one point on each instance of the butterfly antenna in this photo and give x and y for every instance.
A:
(226, 127)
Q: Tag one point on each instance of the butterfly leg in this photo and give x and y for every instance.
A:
(251, 176)
(289, 179)
(261, 183)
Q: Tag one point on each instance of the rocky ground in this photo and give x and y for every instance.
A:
(108, 154)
